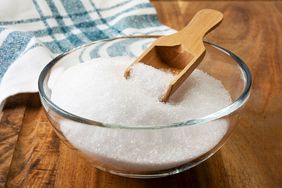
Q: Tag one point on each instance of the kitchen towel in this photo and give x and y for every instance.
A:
(33, 32)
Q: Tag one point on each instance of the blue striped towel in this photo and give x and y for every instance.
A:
(33, 32)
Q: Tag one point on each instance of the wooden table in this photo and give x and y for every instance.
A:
(31, 155)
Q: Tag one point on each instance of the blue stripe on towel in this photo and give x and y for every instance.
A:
(80, 22)
(11, 49)
(73, 39)
(104, 21)
(49, 30)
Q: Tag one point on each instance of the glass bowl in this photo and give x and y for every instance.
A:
(140, 151)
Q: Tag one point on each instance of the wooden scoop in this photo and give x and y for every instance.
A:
(181, 52)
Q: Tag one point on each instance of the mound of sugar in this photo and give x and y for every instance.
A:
(97, 90)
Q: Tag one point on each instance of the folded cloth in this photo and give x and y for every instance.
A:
(33, 32)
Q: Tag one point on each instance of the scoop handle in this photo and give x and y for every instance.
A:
(203, 22)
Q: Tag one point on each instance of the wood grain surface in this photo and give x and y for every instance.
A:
(31, 155)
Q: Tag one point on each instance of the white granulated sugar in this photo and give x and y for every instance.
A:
(97, 90)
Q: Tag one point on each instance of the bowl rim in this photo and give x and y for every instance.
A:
(235, 105)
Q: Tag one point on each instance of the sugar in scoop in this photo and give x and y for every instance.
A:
(97, 90)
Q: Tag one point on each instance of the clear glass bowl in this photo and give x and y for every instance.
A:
(127, 140)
